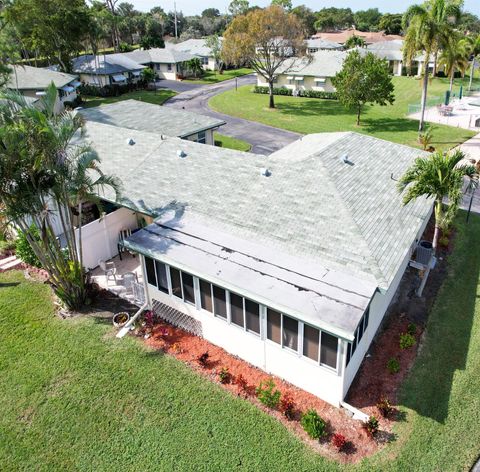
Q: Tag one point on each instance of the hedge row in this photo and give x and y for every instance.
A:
(301, 93)
(110, 90)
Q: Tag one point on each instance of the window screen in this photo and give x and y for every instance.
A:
(149, 265)
(274, 325)
(349, 352)
(311, 337)
(188, 290)
(206, 296)
(236, 309)
(290, 333)
(219, 302)
(252, 315)
(176, 282)
(329, 348)
(162, 282)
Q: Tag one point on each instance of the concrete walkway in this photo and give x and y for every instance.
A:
(471, 148)
(264, 139)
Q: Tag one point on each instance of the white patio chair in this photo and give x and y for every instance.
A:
(109, 270)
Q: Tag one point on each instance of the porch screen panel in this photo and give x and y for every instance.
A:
(274, 326)
(188, 290)
(328, 354)
(150, 267)
(162, 282)
(176, 282)
(252, 315)
(290, 333)
(311, 338)
(206, 296)
(236, 309)
(219, 302)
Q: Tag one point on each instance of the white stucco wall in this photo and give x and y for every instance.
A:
(163, 73)
(59, 103)
(308, 83)
(95, 80)
(208, 137)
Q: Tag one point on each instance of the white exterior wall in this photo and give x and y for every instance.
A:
(100, 237)
(95, 80)
(265, 354)
(308, 83)
(163, 73)
(208, 137)
(59, 103)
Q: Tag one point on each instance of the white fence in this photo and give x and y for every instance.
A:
(100, 237)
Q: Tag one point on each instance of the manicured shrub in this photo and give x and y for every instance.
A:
(393, 365)
(371, 426)
(203, 359)
(339, 441)
(267, 394)
(23, 249)
(406, 341)
(314, 425)
(287, 406)
(384, 407)
(412, 329)
(301, 93)
(224, 375)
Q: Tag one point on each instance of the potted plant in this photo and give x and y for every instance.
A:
(120, 319)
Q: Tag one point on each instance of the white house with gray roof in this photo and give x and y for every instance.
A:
(162, 121)
(32, 82)
(288, 261)
(198, 48)
(318, 44)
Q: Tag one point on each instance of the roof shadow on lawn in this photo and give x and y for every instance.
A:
(428, 387)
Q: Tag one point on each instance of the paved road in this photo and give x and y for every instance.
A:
(264, 139)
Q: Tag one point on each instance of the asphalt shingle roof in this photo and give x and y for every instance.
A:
(166, 55)
(105, 64)
(36, 78)
(323, 44)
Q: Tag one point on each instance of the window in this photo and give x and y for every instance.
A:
(349, 352)
(365, 319)
(311, 337)
(236, 309)
(219, 302)
(360, 330)
(150, 267)
(205, 60)
(328, 354)
(162, 282)
(202, 137)
(290, 333)
(274, 325)
(252, 316)
(188, 290)
(169, 67)
(176, 282)
(206, 296)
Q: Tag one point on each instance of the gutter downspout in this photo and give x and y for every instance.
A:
(126, 328)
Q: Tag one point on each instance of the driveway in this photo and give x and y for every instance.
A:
(264, 139)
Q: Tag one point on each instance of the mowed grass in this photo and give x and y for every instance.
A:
(156, 97)
(76, 398)
(213, 77)
(231, 143)
(310, 115)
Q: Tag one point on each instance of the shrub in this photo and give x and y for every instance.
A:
(241, 381)
(393, 365)
(23, 249)
(267, 394)
(313, 424)
(224, 375)
(412, 329)
(287, 406)
(339, 441)
(384, 407)
(203, 359)
(406, 341)
(443, 241)
(371, 426)
(301, 93)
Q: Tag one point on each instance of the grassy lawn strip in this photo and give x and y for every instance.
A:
(231, 143)
(156, 97)
(75, 397)
(213, 77)
(310, 115)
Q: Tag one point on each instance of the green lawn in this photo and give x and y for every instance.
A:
(310, 115)
(231, 143)
(212, 77)
(75, 398)
(156, 97)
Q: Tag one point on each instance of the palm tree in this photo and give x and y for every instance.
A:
(475, 51)
(455, 56)
(195, 66)
(438, 176)
(427, 28)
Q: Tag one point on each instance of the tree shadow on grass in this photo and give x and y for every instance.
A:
(314, 108)
(389, 125)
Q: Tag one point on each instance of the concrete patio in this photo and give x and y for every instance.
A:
(115, 284)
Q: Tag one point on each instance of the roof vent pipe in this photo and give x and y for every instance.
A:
(130, 142)
(346, 160)
(266, 172)
(181, 153)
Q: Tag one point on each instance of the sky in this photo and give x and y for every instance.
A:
(194, 7)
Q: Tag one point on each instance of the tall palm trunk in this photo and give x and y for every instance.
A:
(438, 218)
(424, 93)
(80, 245)
(472, 71)
(452, 75)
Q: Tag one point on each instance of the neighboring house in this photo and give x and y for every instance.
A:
(315, 45)
(370, 37)
(107, 69)
(197, 48)
(162, 121)
(294, 282)
(33, 81)
(168, 63)
(314, 72)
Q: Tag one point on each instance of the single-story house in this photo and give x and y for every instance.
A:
(313, 72)
(33, 81)
(168, 63)
(162, 121)
(198, 48)
(294, 282)
(107, 69)
(370, 37)
(317, 44)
